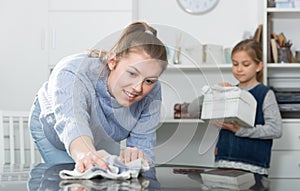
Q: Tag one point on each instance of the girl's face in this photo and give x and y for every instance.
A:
(133, 77)
(245, 69)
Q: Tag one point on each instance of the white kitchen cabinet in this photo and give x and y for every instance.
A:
(284, 184)
(82, 25)
(36, 34)
(290, 139)
(285, 160)
(23, 49)
(285, 164)
(186, 142)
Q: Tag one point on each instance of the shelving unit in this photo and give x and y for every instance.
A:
(280, 20)
(285, 168)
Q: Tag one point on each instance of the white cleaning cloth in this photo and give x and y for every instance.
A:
(117, 170)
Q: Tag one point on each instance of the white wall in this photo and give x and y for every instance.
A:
(224, 25)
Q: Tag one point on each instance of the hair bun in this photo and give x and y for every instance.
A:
(140, 27)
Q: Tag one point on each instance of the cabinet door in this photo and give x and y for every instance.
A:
(284, 184)
(23, 51)
(183, 143)
(290, 139)
(71, 32)
(285, 164)
(84, 24)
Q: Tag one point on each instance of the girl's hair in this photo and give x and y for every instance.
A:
(138, 36)
(254, 50)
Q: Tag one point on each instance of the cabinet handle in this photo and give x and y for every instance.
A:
(53, 44)
(43, 39)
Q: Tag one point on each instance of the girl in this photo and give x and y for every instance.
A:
(94, 100)
(249, 148)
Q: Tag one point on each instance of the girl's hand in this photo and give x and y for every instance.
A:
(91, 159)
(233, 126)
(225, 84)
(130, 154)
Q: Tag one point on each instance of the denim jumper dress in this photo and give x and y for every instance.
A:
(252, 151)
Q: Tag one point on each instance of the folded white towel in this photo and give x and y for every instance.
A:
(117, 170)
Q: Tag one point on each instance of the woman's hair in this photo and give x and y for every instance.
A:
(141, 37)
(254, 50)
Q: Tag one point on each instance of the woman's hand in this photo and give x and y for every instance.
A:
(85, 155)
(130, 154)
(233, 126)
(91, 159)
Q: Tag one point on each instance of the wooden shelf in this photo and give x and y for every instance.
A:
(291, 120)
(283, 65)
(283, 10)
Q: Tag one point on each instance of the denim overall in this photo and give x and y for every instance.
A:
(252, 151)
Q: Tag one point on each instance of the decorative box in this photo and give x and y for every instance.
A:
(229, 103)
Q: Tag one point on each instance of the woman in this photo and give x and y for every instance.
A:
(94, 100)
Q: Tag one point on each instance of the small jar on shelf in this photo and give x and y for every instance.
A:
(271, 3)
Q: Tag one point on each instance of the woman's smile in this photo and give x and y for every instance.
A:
(130, 96)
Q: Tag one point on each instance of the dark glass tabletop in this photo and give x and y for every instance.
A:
(164, 177)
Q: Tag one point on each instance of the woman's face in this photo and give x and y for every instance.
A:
(133, 77)
(245, 69)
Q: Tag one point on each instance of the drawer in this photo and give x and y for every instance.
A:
(285, 164)
(284, 184)
(290, 139)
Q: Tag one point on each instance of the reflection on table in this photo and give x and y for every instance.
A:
(46, 177)
(164, 177)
